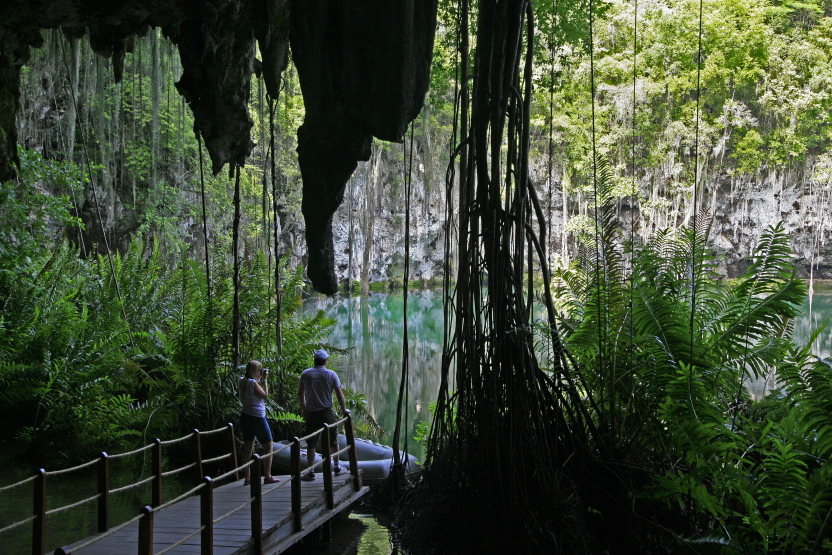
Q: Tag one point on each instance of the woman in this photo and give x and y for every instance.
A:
(253, 422)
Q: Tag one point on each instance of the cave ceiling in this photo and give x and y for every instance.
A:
(363, 67)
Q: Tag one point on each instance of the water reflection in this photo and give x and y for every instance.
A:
(372, 329)
(814, 315)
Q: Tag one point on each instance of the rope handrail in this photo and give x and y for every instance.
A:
(215, 459)
(178, 499)
(133, 485)
(232, 471)
(216, 431)
(233, 511)
(16, 524)
(313, 434)
(279, 485)
(339, 452)
(205, 526)
(276, 451)
(109, 532)
(133, 452)
(183, 540)
(20, 483)
(177, 440)
(72, 469)
(72, 505)
(178, 470)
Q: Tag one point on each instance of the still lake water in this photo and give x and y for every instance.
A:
(371, 329)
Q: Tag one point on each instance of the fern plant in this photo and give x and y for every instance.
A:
(665, 348)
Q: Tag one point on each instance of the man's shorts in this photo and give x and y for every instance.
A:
(255, 426)
(315, 420)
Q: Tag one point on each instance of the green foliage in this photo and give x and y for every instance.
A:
(105, 350)
(665, 349)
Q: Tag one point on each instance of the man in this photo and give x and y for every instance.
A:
(315, 390)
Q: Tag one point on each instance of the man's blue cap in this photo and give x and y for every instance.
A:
(321, 354)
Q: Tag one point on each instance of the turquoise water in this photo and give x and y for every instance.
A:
(370, 329)
(815, 315)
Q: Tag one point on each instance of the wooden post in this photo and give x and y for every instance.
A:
(197, 448)
(352, 453)
(256, 505)
(295, 473)
(326, 453)
(233, 443)
(146, 531)
(206, 516)
(157, 472)
(103, 493)
(39, 524)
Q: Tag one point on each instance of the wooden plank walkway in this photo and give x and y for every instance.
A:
(232, 535)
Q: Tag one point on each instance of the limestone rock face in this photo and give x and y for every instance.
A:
(363, 66)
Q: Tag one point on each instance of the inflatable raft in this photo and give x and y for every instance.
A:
(374, 459)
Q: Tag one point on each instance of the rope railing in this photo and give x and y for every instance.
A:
(310, 436)
(73, 469)
(72, 505)
(176, 500)
(216, 459)
(102, 464)
(233, 511)
(109, 532)
(16, 524)
(216, 431)
(174, 441)
(16, 484)
(205, 489)
(133, 485)
(180, 542)
(176, 471)
(222, 477)
(133, 452)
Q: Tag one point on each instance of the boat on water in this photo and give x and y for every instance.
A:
(374, 459)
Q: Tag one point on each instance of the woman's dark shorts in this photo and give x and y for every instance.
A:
(255, 426)
(315, 420)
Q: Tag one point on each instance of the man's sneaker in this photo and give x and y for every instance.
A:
(336, 469)
(308, 477)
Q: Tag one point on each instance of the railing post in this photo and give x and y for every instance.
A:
(233, 440)
(197, 448)
(104, 493)
(326, 453)
(256, 505)
(39, 524)
(157, 472)
(353, 454)
(146, 531)
(206, 516)
(295, 471)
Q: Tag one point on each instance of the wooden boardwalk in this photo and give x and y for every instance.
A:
(233, 534)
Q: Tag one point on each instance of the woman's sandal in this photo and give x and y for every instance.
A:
(270, 480)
